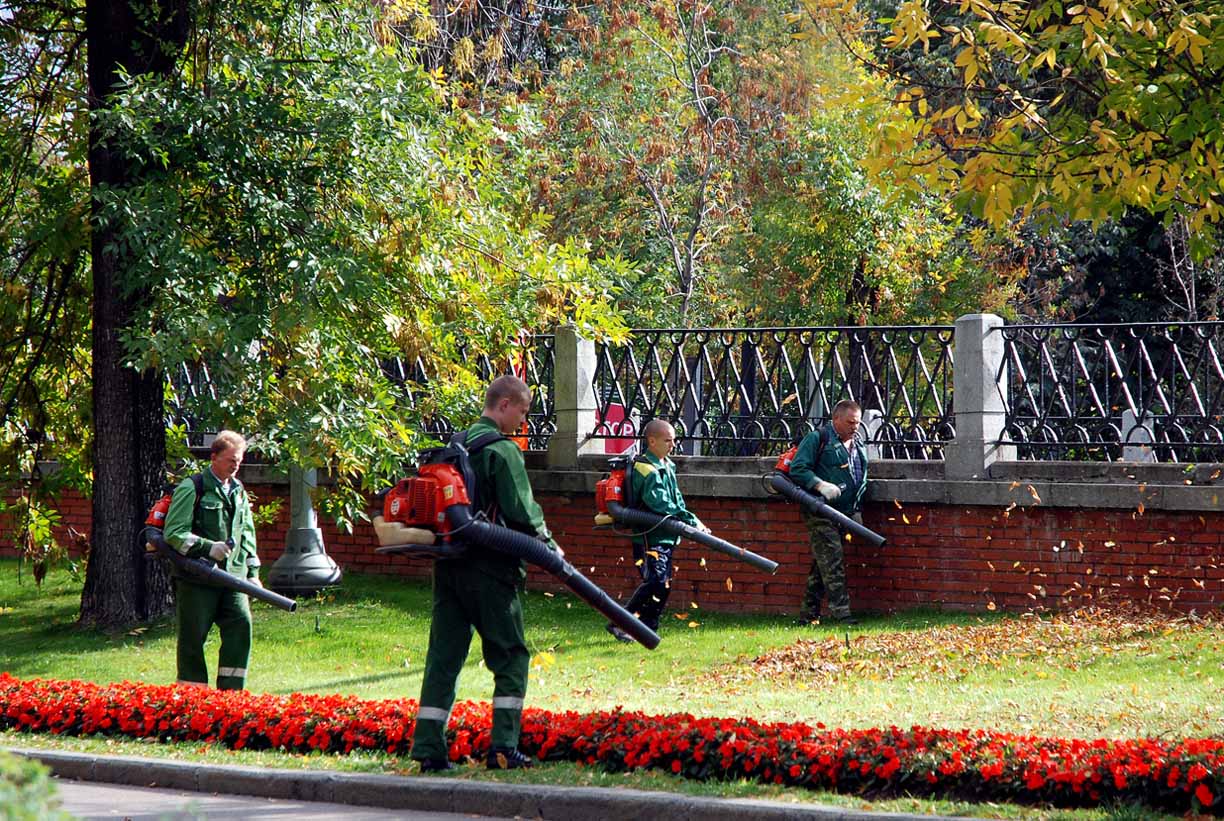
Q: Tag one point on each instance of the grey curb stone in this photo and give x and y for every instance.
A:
(437, 794)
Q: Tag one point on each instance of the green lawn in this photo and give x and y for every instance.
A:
(1090, 676)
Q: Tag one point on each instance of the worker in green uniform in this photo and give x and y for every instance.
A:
(479, 592)
(218, 526)
(832, 463)
(653, 487)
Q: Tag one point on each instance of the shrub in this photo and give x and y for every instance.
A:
(27, 792)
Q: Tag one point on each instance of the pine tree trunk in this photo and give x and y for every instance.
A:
(129, 450)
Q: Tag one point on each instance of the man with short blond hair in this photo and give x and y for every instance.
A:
(219, 526)
(479, 591)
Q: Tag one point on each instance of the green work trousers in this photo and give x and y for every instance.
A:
(466, 600)
(827, 576)
(197, 608)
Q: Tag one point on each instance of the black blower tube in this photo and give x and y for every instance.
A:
(645, 519)
(534, 551)
(814, 504)
(205, 572)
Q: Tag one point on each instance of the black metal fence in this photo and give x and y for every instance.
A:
(753, 391)
(1086, 392)
(1079, 392)
(533, 361)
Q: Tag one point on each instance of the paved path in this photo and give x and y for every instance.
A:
(444, 797)
(94, 801)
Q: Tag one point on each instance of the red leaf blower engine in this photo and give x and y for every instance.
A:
(429, 515)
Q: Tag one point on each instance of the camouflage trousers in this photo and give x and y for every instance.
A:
(828, 574)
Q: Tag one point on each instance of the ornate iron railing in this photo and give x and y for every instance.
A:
(191, 386)
(1089, 391)
(753, 391)
(533, 362)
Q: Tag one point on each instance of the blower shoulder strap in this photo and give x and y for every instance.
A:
(197, 479)
(481, 441)
(463, 457)
(822, 440)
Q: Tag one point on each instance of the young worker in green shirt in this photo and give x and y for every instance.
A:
(221, 528)
(653, 487)
(830, 462)
(480, 591)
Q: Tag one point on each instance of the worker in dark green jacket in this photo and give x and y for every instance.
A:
(653, 487)
(480, 591)
(219, 527)
(830, 462)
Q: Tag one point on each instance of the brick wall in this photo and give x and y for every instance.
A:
(959, 557)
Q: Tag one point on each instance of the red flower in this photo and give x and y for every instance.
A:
(1061, 771)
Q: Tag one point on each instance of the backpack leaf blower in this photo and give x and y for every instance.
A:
(610, 502)
(781, 481)
(203, 571)
(430, 516)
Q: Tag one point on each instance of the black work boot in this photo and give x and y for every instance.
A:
(505, 758)
(807, 618)
(435, 765)
(617, 633)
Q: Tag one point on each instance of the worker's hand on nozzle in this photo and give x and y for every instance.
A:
(218, 551)
(255, 581)
(827, 489)
(702, 526)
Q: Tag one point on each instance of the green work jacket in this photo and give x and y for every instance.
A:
(220, 517)
(833, 465)
(501, 478)
(654, 487)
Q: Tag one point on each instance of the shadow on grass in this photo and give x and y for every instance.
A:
(336, 684)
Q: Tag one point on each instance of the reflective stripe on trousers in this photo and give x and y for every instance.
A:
(433, 714)
(507, 703)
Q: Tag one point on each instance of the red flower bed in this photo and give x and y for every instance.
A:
(974, 764)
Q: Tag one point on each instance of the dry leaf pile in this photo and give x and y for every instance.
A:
(1068, 641)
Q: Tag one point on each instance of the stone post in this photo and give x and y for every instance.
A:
(979, 385)
(574, 365)
(1137, 438)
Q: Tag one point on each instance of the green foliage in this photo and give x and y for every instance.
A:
(31, 525)
(840, 247)
(308, 203)
(44, 281)
(27, 792)
(1080, 111)
(724, 148)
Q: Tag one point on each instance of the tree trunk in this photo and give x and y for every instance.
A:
(129, 449)
(861, 376)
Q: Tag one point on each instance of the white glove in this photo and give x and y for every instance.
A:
(827, 489)
(218, 551)
(702, 526)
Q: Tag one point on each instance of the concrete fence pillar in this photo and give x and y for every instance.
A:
(574, 363)
(979, 386)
